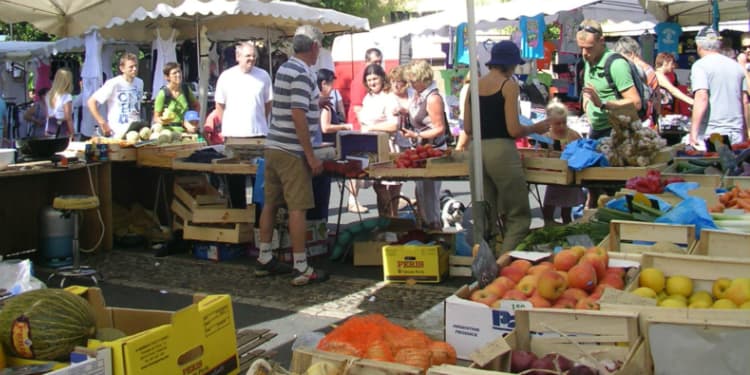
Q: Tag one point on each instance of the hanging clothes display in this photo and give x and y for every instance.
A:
(462, 49)
(166, 50)
(91, 75)
(546, 60)
(189, 60)
(668, 37)
(647, 48)
(569, 21)
(532, 36)
(43, 76)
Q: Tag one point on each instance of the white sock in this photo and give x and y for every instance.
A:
(352, 200)
(300, 261)
(266, 254)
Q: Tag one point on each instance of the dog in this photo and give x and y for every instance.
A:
(451, 211)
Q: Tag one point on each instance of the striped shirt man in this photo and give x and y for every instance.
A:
(295, 87)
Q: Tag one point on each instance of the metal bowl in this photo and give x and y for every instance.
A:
(41, 147)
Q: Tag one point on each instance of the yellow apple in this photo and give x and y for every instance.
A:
(701, 295)
(700, 304)
(679, 284)
(739, 291)
(673, 303)
(720, 287)
(724, 304)
(652, 278)
(679, 297)
(645, 292)
(661, 296)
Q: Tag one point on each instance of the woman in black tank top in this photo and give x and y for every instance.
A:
(503, 179)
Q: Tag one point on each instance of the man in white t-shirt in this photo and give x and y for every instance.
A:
(243, 96)
(122, 94)
(243, 103)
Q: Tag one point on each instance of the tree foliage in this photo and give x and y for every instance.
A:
(376, 11)
(24, 32)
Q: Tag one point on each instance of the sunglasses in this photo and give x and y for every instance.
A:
(589, 29)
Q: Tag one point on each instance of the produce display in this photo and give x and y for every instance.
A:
(736, 198)
(375, 337)
(525, 362)
(417, 157)
(553, 236)
(677, 291)
(45, 324)
(630, 144)
(651, 183)
(575, 279)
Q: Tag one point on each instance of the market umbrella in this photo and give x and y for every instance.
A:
(697, 12)
(69, 17)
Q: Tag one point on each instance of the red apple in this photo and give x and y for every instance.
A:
(515, 295)
(617, 271)
(574, 294)
(565, 303)
(522, 264)
(540, 269)
(521, 360)
(539, 301)
(528, 284)
(582, 276)
(561, 362)
(613, 280)
(566, 259)
(587, 304)
(515, 274)
(551, 285)
(505, 282)
(482, 296)
(598, 258)
(495, 289)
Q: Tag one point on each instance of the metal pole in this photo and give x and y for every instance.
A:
(479, 205)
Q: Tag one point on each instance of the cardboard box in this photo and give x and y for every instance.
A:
(360, 144)
(369, 253)
(218, 251)
(421, 263)
(198, 339)
(100, 364)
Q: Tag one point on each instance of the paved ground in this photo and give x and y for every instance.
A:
(135, 278)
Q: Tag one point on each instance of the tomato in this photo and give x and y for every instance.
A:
(420, 148)
(407, 163)
(424, 155)
(413, 157)
(428, 146)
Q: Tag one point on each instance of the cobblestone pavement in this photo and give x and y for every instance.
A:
(340, 297)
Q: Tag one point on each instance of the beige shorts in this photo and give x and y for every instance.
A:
(288, 179)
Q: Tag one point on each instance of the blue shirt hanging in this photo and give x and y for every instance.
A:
(532, 36)
(462, 49)
(668, 37)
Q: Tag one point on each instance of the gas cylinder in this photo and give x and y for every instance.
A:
(56, 233)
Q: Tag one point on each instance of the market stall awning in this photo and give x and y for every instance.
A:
(504, 14)
(19, 51)
(219, 16)
(696, 12)
(69, 17)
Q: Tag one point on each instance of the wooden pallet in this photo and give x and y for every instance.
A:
(247, 342)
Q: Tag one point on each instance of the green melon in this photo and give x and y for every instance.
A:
(45, 324)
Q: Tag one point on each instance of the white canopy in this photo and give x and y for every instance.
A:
(696, 12)
(503, 14)
(19, 51)
(256, 17)
(68, 17)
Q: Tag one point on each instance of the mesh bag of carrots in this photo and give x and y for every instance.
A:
(375, 337)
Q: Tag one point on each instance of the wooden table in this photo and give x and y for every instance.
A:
(25, 189)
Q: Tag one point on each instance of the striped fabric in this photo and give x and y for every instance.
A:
(295, 87)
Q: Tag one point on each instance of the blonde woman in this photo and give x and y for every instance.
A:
(428, 126)
(59, 103)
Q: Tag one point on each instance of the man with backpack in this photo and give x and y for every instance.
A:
(645, 79)
(599, 95)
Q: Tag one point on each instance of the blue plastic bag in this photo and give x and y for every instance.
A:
(681, 189)
(582, 154)
(260, 182)
(691, 210)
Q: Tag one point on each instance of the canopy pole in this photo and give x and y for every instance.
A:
(480, 207)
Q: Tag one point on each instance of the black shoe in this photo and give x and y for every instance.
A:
(273, 267)
(310, 276)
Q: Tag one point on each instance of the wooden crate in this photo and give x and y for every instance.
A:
(614, 173)
(303, 358)
(545, 167)
(162, 156)
(218, 166)
(603, 335)
(357, 144)
(120, 153)
(723, 244)
(710, 180)
(229, 233)
(195, 191)
(458, 370)
(624, 236)
(450, 166)
(460, 266)
(741, 181)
